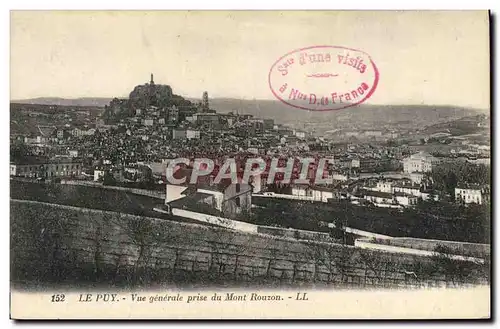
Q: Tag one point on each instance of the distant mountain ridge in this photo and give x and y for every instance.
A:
(375, 116)
(363, 115)
(82, 101)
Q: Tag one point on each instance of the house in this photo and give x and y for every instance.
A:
(321, 193)
(148, 122)
(340, 177)
(173, 114)
(61, 133)
(76, 132)
(405, 200)
(416, 177)
(257, 182)
(98, 174)
(380, 199)
(253, 150)
(383, 186)
(257, 124)
(391, 199)
(388, 200)
(192, 134)
(312, 193)
(227, 198)
(230, 199)
(36, 140)
(402, 188)
(409, 189)
(420, 162)
(89, 132)
(137, 173)
(178, 134)
(268, 124)
(300, 190)
(471, 193)
(373, 133)
(46, 168)
(300, 134)
(174, 192)
(207, 118)
(368, 164)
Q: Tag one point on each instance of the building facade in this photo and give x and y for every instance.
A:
(48, 169)
(470, 194)
(420, 162)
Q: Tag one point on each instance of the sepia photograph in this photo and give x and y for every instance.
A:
(250, 164)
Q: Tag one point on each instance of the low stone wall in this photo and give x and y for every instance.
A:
(55, 243)
(362, 233)
(469, 249)
(154, 194)
(251, 228)
(286, 196)
(367, 244)
(220, 221)
(297, 234)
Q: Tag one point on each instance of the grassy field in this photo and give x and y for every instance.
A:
(89, 197)
(438, 222)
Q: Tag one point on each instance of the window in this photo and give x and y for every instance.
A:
(238, 201)
(238, 188)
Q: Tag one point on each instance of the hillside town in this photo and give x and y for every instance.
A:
(169, 157)
(132, 141)
(242, 164)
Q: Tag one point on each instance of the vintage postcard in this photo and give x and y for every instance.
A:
(250, 165)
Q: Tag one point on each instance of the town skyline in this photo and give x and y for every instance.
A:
(85, 59)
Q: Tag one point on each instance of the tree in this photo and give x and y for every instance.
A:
(450, 184)
(19, 151)
(375, 263)
(144, 236)
(108, 179)
(335, 258)
(455, 271)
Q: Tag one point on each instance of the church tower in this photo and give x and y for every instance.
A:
(204, 102)
(152, 82)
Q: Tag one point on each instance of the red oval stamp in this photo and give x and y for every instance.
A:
(323, 78)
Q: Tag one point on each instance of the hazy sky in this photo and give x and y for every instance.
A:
(423, 57)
